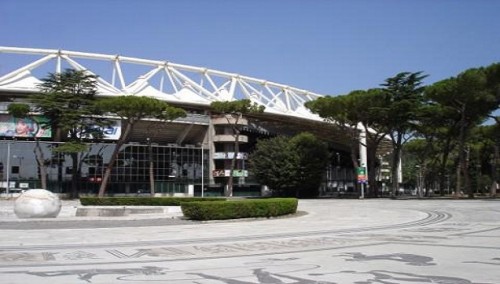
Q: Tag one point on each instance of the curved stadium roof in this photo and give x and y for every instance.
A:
(167, 81)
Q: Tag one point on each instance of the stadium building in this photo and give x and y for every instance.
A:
(191, 155)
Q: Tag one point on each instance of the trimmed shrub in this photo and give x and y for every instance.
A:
(143, 201)
(220, 210)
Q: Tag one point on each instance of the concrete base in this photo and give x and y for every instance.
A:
(118, 211)
(37, 203)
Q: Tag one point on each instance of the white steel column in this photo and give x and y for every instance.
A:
(400, 170)
(7, 188)
(202, 170)
(363, 156)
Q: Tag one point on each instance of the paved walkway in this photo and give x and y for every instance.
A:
(337, 241)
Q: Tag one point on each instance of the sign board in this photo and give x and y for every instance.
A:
(361, 174)
(226, 173)
(110, 132)
(35, 126)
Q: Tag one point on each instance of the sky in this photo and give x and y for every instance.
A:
(326, 47)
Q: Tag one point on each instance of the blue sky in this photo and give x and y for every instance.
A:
(328, 47)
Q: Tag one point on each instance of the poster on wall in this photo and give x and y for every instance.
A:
(35, 126)
(110, 132)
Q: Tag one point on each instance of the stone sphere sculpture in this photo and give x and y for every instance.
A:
(37, 203)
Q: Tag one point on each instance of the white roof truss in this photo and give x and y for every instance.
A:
(163, 80)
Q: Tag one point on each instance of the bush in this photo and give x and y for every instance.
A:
(219, 210)
(143, 201)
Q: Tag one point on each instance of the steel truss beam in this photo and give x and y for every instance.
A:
(171, 82)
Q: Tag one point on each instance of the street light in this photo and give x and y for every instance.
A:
(202, 147)
(7, 188)
(202, 170)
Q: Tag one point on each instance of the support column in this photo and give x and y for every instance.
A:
(363, 158)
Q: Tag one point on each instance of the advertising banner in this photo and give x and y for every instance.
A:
(111, 132)
(35, 126)
(230, 155)
(226, 173)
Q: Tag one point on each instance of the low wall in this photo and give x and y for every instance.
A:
(110, 211)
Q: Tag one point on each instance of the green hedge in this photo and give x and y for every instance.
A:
(143, 201)
(219, 210)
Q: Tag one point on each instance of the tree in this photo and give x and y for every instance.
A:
(493, 84)
(437, 125)
(347, 112)
(66, 100)
(404, 94)
(342, 111)
(274, 163)
(471, 99)
(234, 111)
(313, 158)
(290, 166)
(20, 110)
(373, 117)
(132, 109)
(494, 136)
(420, 158)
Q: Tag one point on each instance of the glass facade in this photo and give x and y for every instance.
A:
(175, 168)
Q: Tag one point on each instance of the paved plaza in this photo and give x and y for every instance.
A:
(330, 241)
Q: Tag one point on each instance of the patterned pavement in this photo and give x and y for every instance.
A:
(332, 241)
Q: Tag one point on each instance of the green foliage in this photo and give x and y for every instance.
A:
(250, 208)
(143, 201)
(313, 158)
(274, 163)
(134, 108)
(236, 107)
(349, 110)
(472, 95)
(71, 147)
(468, 94)
(404, 92)
(290, 166)
(19, 109)
(67, 100)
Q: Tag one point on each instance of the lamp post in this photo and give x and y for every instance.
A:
(202, 170)
(7, 188)
(202, 147)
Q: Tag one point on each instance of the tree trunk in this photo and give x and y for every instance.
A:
(355, 164)
(114, 156)
(372, 173)
(465, 170)
(230, 181)
(442, 166)
(459, 182)
(461, 156)
(40, 160)
(423, 182)
(151, 170)
(396, 155)
(74, 176)
(60, 171)
(151, 178)
(494, 175)
(236, 135)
